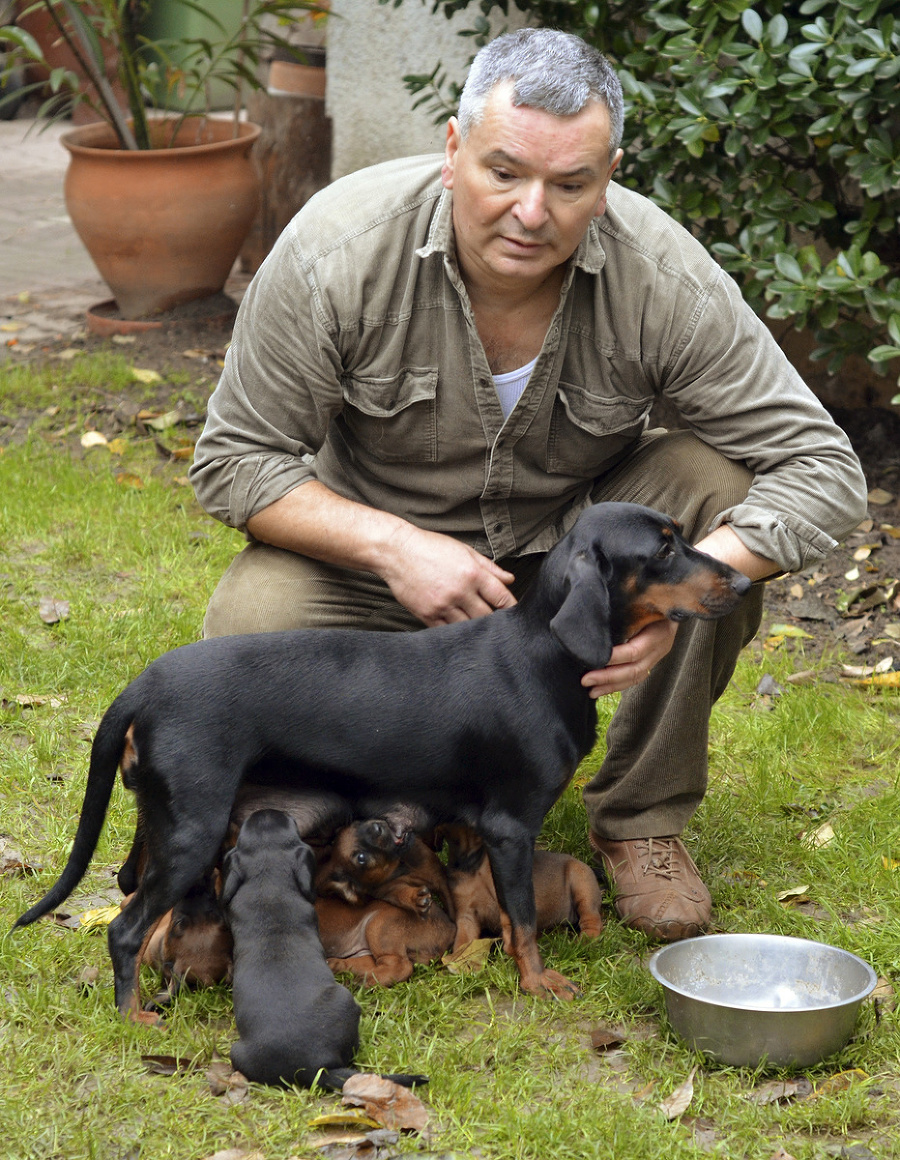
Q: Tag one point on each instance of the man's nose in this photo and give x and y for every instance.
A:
(531, 206)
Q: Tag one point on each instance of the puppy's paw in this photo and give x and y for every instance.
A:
(551, 984)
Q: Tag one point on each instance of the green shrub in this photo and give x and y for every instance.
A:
(773, 132)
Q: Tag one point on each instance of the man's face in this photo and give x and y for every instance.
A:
(526, 185)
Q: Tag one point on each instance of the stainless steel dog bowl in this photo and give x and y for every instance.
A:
(747, 999)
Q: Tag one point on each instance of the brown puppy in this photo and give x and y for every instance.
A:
(565, 890)
(191, 944)
(378, 942)
(367, 860)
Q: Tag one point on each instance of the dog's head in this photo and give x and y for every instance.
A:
(363, 857)
(196, 948)
(269, 847)
(623, 566)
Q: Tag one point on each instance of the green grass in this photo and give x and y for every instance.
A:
(511, 1077)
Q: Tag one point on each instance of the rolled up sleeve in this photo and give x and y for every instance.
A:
(277, 394)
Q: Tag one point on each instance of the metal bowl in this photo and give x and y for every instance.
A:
(750, 999)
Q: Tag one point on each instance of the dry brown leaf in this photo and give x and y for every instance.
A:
(470, 959)
(236, 1154)
(26, 701)
(12, 861)
(167, 1064)
(346, 1118)
(779, 1091)
(227, 1084)
(389, 1103)
(805, 677)
(52, 611)
(93, 439)
(602, 1039)
(126, 479)
(679, 1101)
(142, 375)
(879, 496)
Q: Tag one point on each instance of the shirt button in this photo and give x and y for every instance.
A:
(498, 527)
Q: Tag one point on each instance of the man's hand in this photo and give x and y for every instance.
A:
(632, 661)
(441, 580)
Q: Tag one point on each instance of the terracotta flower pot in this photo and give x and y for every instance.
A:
(165, 225)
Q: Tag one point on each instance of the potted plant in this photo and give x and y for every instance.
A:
(162, 197)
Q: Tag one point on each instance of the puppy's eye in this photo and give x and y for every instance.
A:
(665, 552)
(361, 858)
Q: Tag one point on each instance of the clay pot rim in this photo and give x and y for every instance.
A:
(99, 140)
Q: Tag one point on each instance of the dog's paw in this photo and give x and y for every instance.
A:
(423, 901)
(552, 984)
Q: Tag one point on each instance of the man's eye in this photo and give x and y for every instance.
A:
(503, 175)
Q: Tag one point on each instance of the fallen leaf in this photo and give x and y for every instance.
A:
(26, 701)
(236, 1154)
(879, 496)
(12, 862)
(806, 677)
(602, 1039)
(118, 446)
(167, 1064)
(227, 1084)
(884, 990)
(98, 918)
(88, 977)
(389, 1103)
(839, 1082)
(781, 1154)
(140, 375)
(52, 611)
(778, 1091)
(882, 681)
(853, 574)
(818, 839)
(12, 327)
(124, 339)
(126, 479)
(883, 666)
(791, 630)
(69, 353)
(794, 895)
(350, 1118)
(864, 552)
(678, 1102)
(890, 863)
(469, 959)
(797, 591)
(164, 422)
(93, 439)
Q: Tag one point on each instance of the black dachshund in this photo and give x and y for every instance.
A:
(481, 723)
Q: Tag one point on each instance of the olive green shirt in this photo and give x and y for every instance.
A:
(356, 361)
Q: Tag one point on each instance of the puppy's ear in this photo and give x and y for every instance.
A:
(582, 623)
(305, 870)
(232, 876)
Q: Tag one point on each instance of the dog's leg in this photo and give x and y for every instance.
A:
(586, 897)
(512, 864)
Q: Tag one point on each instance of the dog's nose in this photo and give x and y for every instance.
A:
(741, 583)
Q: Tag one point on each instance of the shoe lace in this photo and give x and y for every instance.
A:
(659, 856)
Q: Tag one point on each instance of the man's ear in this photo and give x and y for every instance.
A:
(582, 623)
(451, 148)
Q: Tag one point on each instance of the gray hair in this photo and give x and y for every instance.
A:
(550, 70)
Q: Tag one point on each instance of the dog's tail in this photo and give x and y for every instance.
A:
(334, 1078)
(105, 754)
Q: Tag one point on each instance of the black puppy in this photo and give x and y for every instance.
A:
(296, 1023)
(481, 723)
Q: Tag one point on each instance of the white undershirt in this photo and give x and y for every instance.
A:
(511, 385)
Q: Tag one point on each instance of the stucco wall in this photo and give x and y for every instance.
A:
(370, 48)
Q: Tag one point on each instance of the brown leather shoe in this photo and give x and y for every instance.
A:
(656, 885)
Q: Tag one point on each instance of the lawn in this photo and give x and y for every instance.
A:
(106, 561)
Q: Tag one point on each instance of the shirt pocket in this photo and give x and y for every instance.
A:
(589, 433)
(393, 419)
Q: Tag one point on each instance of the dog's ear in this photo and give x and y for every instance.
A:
(582, 623)
(232, 876)
(305, 870)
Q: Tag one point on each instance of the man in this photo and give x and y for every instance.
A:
(443, 361)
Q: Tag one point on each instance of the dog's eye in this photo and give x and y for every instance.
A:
(361, 858)
(665, 552)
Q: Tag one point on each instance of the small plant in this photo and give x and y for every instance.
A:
(144, 66)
